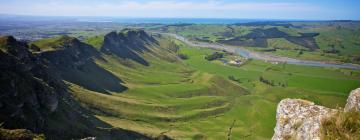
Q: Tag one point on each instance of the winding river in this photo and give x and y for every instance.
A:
(261, 56)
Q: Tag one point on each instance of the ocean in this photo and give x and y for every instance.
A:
(169, 20)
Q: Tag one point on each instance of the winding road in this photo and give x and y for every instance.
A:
(261, 56)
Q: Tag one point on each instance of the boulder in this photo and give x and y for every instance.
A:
(302, 120)
(353, 101)
(299, 119)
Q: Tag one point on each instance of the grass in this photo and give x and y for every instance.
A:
(3, 42)
(19, 134)
(347, 41)
(341, 37)
(308, 55)
(282, 43)
(96, 41)
(289, 31)
(209, 32)
(52, 43)
(194, 98)
(342, 125)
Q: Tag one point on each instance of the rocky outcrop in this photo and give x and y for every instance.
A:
(34, 97)
(353, 101)
(302, 120)
(299, 119)
(74, 61)
(70, 54)
(128, 44)
(28, 91)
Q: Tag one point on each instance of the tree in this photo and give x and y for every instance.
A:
(183, 56)
(214, 56)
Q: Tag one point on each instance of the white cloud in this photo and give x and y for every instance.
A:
(160, 9)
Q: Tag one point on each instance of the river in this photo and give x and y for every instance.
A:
(261, 56)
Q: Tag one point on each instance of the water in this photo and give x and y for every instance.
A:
(126, 20)
(247, 54)
(243, 53)
(168, 20)
(265, 57)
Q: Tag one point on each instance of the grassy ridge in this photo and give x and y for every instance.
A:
(194, 98)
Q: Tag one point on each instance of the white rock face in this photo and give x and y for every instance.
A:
(353, 101)
(299, 119)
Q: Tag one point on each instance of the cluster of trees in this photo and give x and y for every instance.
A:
(334, 51)
(356, 59)
(173, 47)
(183, 56)
(352, 59)
(272, 82)
(214, 56)
(269, 50)
(300, 52)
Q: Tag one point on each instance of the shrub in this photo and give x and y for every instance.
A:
(356, 58)
(300, 52)
(183, 56)
(173, 47)
(214, 56)
(234, 79)
(331, 51)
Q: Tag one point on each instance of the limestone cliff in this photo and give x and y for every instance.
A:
(353, 102)
(302, 120)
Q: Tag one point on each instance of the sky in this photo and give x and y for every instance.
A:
(247, 9)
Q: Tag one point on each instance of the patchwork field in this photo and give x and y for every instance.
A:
(325, 41)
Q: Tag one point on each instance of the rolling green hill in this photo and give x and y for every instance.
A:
(142, 82)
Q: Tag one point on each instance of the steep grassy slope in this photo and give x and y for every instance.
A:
(165, 91)
(256, 111)
(195, 99)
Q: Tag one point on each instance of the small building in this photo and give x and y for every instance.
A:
(235, 62)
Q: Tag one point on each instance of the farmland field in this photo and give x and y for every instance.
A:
(327, 41)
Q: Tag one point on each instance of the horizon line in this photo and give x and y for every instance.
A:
(138, 17)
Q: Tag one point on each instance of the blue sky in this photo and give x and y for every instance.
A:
(251, 9)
